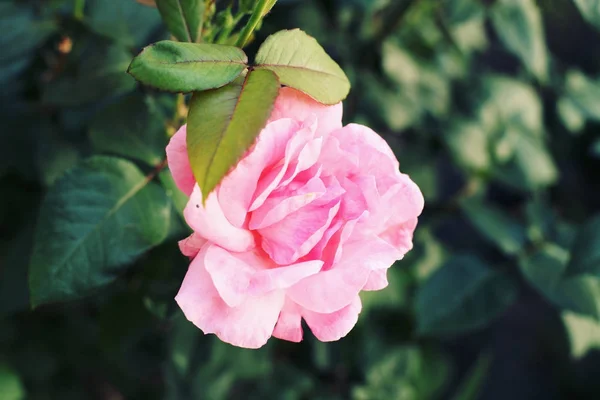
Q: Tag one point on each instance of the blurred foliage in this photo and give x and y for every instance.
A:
(493, 108)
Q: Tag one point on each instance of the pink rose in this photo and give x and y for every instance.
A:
(313, 214)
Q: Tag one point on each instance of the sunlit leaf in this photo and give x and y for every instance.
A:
(224, 123)
(187, 67)
(300, 62)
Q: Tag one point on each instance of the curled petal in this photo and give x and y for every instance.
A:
(289, 324)
(210, 222)
(336, 325)
(191, 245)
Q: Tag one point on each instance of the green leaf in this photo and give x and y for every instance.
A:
(300, 62)
(469, 145)
(183, 18)
(187, 67)
(462, 296)
(585, 254)
(519, 26)
(130, 128)
(590, 10)
(498, 227)
(224, 123)
(11, 387)
(583, 94)
(584, 333)
(96, 218)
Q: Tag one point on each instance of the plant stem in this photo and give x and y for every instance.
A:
(262, 7)
(78, 9)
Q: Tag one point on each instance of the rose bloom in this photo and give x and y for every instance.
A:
(312, 214)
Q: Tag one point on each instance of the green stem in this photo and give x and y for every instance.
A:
(262, 7)
(78, 9)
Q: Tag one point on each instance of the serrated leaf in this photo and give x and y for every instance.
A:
(183, 18)
(519, 26)
(498, 227)
(187, 67)
(130, 128)
(300, 62)
(96, 218)
(461, 296)
(224, 123)
(585, 254)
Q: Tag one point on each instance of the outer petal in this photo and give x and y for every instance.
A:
(239, 275)
(179, 163)
(210, 223)
(332, 290)
(289, 324)
(249, 325)
(336, 325)
(294, 104)
(377, 280)
(191, 245)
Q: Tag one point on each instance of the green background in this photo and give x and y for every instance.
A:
(492, 107)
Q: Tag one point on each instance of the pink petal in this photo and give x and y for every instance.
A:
(210, 223)
(292, 103)
(230, 275)
(400, 236)
(377, 280)
(274, 209)
(237, 190)
(191, 245)
(299, 149)
(332, 290)
(293, 237)
(333, 326)
(249, 325)
(368, 145)
(289, 324)
(179, 163)
(239, 275)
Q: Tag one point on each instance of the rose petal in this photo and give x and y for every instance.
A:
(210, 222)
(294, 104)
(377, 280)
(336, 325)
(238, 188)
(249, 325)
(239, 275)
(191, 245)
(289, 324)
(179, 163)
(274, 209)
(294, 236)
(332, 290)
